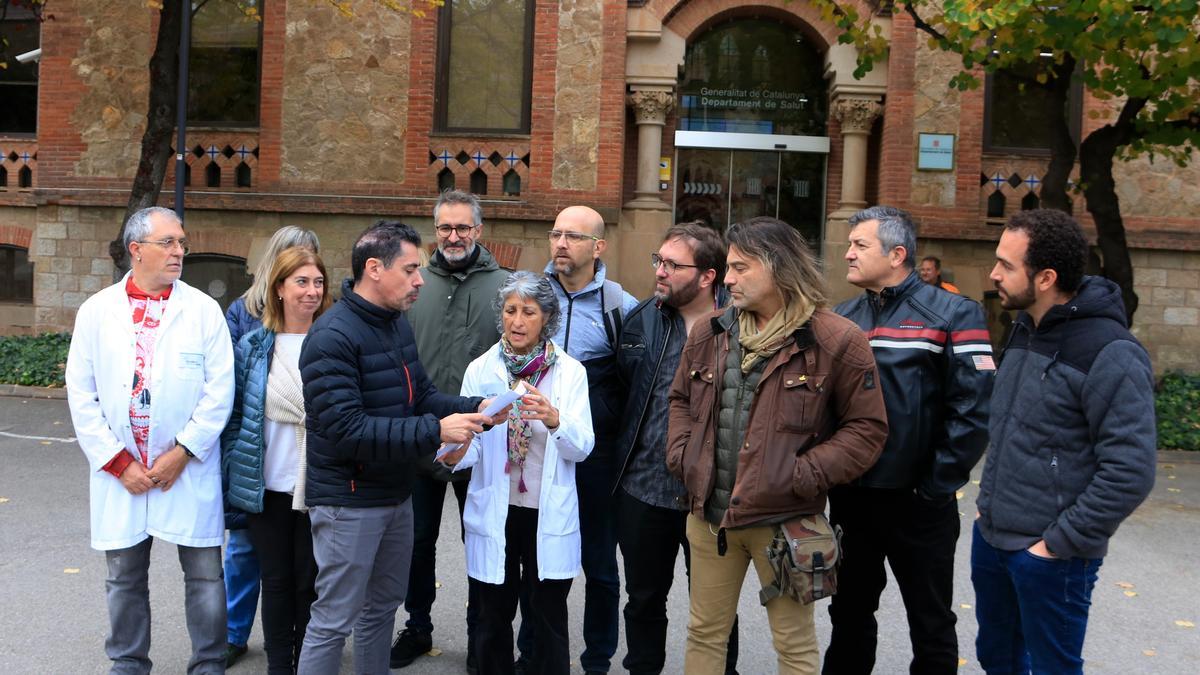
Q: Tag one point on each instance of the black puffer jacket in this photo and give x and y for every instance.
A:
(371, 409)
(935, 366)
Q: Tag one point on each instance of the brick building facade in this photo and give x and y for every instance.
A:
(351, 125)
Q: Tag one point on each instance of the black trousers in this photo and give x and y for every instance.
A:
(650, 538)
(498, 606)
(282, 539)
(917, 538)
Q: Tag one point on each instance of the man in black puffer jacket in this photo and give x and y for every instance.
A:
(936, 371)
(1072, 453)
(371, 412)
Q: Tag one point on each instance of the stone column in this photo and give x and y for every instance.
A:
(650, 108)
(856, 116)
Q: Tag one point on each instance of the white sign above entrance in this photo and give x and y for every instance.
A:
(775, 142)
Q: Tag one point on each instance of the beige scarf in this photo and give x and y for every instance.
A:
(764, 343)
(285, 404)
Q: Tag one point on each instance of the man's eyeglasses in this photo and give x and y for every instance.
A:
(572, 237)
(168, 244)
(461, 230)
(669, 265)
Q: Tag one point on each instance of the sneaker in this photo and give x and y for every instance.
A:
(408, 646)
(233, 653)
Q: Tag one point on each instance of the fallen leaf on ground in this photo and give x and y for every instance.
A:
(959, 494)
(1170, 477)
(434, 652)
(974, 482)
(45, 442)
(1124, 584)
(3, 500)
(1130, 594)
(75, 570)
(437, 584)
(965, 606)
(1184, 624)
(1149, 652)
(961, 662)
(1174, 490)
(56, 423)
(1168, 466)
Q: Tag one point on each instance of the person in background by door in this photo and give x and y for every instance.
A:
(931, 273)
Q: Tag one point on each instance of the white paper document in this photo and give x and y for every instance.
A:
(499, 403)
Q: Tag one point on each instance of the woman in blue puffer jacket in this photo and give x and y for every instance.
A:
(241, 565)
(263, 450)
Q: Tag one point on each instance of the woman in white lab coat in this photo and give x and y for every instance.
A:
(522, 511)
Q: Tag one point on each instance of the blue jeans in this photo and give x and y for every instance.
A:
(1032, 611)
(241, 586)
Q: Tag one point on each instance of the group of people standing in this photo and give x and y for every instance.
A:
(703, 420)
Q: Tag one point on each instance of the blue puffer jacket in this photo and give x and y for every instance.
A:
(240, 320)
(242, 441)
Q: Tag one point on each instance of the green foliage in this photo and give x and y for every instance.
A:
(1177, 406)
(37, 360)
(1125, 49)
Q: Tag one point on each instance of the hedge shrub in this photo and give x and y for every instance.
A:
(1177, 405)
(37, 360)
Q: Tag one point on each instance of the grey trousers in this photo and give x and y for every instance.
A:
(363, 556)
(128, 590)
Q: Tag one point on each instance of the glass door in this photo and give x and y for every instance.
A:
(724, 186)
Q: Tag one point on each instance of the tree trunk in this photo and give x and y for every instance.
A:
(1062, 144)
(1095, 165)
(160, 125)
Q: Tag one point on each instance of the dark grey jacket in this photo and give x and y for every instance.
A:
(1072, 429)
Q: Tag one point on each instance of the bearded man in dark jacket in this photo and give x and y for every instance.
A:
(1073, 449)
(371, 412)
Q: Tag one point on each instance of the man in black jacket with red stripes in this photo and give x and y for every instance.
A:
(936, 370)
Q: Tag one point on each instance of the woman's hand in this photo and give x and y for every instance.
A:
(535, 406)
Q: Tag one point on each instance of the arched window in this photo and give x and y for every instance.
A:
(223, 277)
(16, 275)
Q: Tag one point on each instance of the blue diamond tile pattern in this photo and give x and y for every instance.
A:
(445, 157)
(998, 180)
(512, 158)
(242, 152)
(478, 157)
(213, 152)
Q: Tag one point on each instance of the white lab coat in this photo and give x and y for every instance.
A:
(191, 382)
(558, 543)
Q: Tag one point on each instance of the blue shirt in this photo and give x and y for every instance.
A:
(581, 326)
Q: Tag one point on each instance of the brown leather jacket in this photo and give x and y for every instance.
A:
(817, 419)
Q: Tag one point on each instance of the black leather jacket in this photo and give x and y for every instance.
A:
(934, 357)
(641, 347)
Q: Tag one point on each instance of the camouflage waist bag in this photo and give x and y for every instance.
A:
(804, 555)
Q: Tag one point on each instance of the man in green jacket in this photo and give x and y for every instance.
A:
(454, 321)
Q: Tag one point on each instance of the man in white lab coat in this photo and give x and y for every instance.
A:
(150, 384)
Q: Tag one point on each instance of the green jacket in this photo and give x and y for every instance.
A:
(454, 317)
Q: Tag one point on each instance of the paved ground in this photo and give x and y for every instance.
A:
(53, 617)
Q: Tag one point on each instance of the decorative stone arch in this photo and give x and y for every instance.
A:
(692, 17)
(11, 235)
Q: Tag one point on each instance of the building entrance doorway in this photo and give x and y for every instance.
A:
(722, 185)
(750, 139)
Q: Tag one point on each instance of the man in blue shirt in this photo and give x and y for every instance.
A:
(593, 308)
